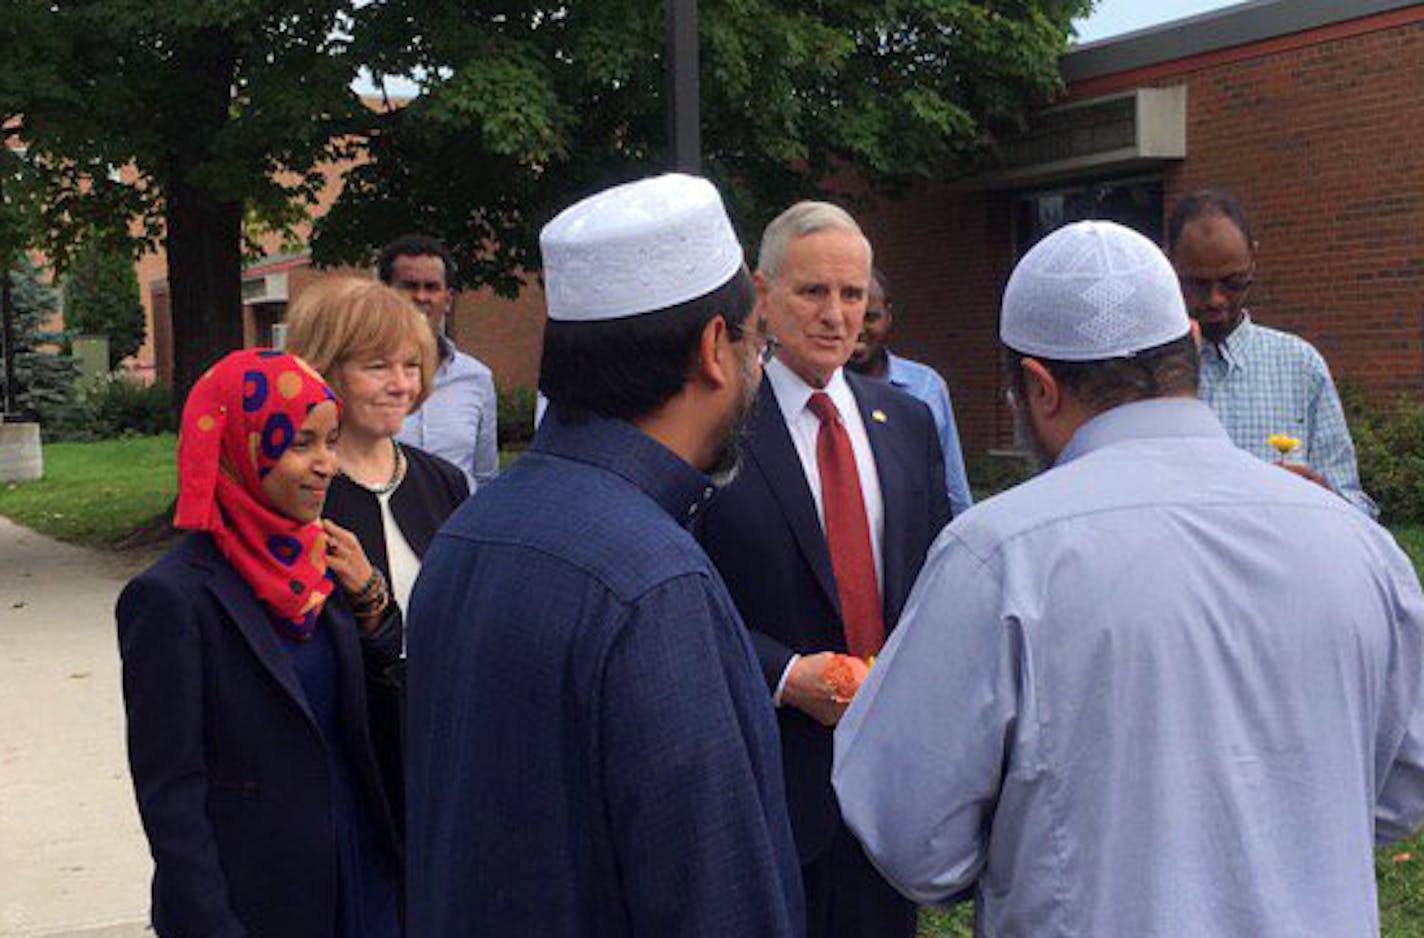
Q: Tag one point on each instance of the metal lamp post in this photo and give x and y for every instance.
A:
(684, 119)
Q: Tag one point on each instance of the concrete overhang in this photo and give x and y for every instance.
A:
(1116, 134)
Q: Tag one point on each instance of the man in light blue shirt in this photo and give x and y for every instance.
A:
(871, 357)
(1161, 689)
(459, 421)
(1260, 382)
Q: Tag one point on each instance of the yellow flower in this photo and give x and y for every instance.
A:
(1283, 444)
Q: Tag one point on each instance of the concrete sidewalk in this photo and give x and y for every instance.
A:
(73, 859)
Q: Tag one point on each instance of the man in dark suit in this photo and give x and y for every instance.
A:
(821, 535)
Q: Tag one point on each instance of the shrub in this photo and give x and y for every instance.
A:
(990, 474)
(115, 406)
(516, 417)
(1389, 443)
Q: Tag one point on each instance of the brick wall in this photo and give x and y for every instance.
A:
(507, 335)
(948, 255)
(1324, 145)
(1321, 137)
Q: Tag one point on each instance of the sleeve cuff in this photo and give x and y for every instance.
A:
(781, 684)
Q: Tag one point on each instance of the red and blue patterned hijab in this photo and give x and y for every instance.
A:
(240, 417)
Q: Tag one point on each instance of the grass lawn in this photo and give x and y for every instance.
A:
(96, 493)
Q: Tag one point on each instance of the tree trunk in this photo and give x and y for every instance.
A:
(204, 227)
(204, 243)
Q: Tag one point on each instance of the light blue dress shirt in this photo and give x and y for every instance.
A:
(459, 421)
(1262, 381)
(924, 382)
(1162, 689)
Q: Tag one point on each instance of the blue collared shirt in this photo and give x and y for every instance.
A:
(924, 382)
(1161, 689)
(459, 421)
(592, 748)
(1262, 382)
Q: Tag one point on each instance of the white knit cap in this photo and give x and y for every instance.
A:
(638, 247)
(1090, 291)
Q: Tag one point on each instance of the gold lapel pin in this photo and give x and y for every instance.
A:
(878, 416)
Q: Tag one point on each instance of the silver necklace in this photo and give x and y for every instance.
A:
(397, 475)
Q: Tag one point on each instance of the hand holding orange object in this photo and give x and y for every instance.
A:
(845, 674)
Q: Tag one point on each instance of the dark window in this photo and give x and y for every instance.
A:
(1136, 203)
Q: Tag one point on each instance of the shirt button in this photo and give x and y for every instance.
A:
(707, 493)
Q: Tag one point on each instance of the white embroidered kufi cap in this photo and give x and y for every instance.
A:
(1090, 291)
(638, 247)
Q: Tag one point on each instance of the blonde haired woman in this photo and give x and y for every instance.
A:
(377, 351)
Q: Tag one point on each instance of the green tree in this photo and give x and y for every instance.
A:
(101, 298)
(44, 371)
(526, 106)
(182, 116)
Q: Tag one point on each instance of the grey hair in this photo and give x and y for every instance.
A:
(798, 221)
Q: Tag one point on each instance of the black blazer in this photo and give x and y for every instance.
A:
(763, 533)
(227, 760)
(432, 489)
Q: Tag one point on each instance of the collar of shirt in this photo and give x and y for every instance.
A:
(1159, 418)
(1234, 350)
(896, 371)
(621, 448)
(793, 393)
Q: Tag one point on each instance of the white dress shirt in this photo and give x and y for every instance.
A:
(793, 396)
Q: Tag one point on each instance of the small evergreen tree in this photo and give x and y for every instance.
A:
(101, 298)
(44, 370)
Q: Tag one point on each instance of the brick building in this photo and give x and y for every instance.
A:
(1311, 111)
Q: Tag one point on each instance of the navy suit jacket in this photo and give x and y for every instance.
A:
(766, 539)
(228, 763)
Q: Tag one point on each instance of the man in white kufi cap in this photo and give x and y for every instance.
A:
(1160, 689)
(592, 749)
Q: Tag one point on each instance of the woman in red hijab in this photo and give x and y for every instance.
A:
(246, 651)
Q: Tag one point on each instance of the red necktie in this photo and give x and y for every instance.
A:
(847, 532)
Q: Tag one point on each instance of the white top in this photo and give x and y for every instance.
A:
(794, 396)
(636, 248)
(1092, 290)
(404, 564)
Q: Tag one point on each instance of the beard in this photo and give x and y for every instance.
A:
(1217, 331)
(1027, 442)
(728, 457)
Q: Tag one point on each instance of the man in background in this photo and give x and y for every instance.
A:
(1261, 382)
(873, 358)
(459, 421)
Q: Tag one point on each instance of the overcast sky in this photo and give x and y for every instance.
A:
(1115, 17)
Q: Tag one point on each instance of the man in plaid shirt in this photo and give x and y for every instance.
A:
(1260, 382)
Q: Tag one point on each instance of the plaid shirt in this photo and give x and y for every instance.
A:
(1261, 381)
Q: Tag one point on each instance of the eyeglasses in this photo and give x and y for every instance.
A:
(769, 342)
(1231, 285)
(768, 349)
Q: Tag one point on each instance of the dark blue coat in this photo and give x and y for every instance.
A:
(592, 751)
(763, 534)
(228, 763)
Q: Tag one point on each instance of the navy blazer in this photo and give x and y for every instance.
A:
(766, 539)
(227, 760)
